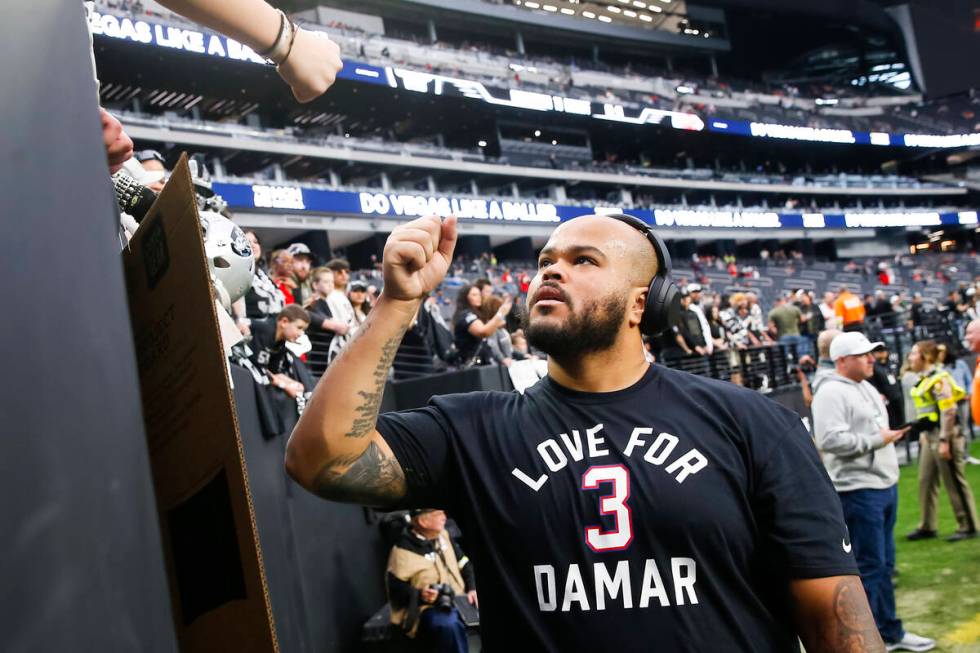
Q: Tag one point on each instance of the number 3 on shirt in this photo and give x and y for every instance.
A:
(611, 504)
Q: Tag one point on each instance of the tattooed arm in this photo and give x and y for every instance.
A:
(335, 450)
(832, 616)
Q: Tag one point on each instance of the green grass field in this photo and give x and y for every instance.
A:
(938, 589)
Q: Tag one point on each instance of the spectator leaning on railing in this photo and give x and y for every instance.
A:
(501, 348)
(271, 355)
(470, 332)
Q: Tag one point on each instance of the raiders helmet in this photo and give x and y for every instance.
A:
(229, 257)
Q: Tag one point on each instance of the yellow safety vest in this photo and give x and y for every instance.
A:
(926, 405)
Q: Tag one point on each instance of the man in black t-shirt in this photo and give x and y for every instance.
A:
(614, 506)
(690, 336)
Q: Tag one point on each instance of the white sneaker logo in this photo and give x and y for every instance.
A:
(847, 545)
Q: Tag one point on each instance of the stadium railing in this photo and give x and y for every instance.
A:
(800, 183)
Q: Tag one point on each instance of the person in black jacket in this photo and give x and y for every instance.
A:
(690, 336)
(888, 385)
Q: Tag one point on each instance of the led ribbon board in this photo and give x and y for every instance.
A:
(412, 205)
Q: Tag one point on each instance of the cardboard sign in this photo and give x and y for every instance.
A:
(214, 561)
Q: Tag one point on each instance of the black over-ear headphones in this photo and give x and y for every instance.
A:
(663, 303)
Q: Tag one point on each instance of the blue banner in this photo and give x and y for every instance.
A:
(410, 206)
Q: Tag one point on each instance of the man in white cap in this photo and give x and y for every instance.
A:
(851, 428)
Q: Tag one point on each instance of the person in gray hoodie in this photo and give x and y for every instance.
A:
(851, 429)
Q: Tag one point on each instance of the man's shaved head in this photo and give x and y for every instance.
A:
(824, 340)
(622, 242)
(589, 287)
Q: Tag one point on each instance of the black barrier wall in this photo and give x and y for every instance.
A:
(80, 556)
(324, 561)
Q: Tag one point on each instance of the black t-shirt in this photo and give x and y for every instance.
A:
(467, 345)
(888, 384)
(690, 329)
(689, 503)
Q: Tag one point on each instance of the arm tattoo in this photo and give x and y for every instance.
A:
(852, 628)
(367, 409)
(370, 478)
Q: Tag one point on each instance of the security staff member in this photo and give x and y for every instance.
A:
(941, 448)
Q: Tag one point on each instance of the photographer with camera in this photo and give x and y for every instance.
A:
(426, 570)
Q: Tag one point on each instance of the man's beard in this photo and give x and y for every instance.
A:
(594, 329)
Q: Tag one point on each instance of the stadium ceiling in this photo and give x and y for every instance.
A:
(865, 13)
(783, 40)
(637, 26)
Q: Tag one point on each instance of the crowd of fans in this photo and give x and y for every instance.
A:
(475, 317)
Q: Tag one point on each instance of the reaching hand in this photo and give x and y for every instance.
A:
(417, 257)
(312, 65)
(118, 146)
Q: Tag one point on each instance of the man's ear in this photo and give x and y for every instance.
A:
(637, 305)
